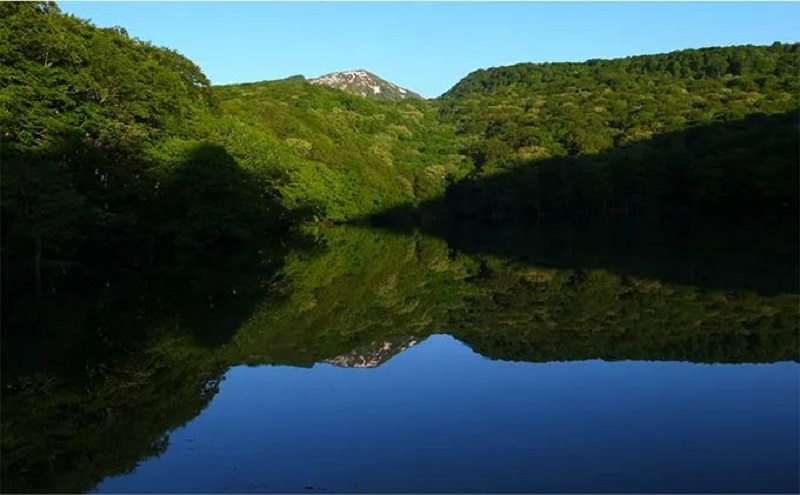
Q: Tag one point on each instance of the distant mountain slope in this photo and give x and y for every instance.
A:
(552, 137)
(363, 83)
(745, 67)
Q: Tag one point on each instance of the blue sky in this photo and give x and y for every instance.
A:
(428, 47)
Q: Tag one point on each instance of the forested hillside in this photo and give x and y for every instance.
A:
(706, 129)
(113, 145)
(339, 154)
(102, 161)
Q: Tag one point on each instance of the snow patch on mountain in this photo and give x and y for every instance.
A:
(363, 83)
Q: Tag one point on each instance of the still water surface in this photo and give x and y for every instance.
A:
(375, 361)
(440, 418)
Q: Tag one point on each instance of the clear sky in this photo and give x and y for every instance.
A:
(428, 47)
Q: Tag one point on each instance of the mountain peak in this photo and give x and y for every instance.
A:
(361, 82)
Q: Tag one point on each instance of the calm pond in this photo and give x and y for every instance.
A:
(369, 360)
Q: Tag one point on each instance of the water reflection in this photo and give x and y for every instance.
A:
(439, 418)
(150, 386)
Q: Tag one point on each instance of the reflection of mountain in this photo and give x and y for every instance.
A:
(373, 355)
(66, 425)
(362, 287)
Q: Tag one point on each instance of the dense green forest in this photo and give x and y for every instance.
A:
(100, 154)
(740, 170)
(561, 109)
(707, 131)
(340, 155)
(112, 144)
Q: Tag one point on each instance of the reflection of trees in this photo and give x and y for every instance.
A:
(149, 365)
(364, 286)
(147, 351)
(93, 381)
(535, 314)
(62, 437)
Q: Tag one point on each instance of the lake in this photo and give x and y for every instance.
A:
(415, 360)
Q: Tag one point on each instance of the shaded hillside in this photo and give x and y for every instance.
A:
(728, 171)
(104, 164)
(107, 140)
(543, 214)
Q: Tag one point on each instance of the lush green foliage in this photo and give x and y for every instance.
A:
(543, 110)
(341, 155)
(647, 132)
(728, 171)
(113, 145)
(100, 153)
